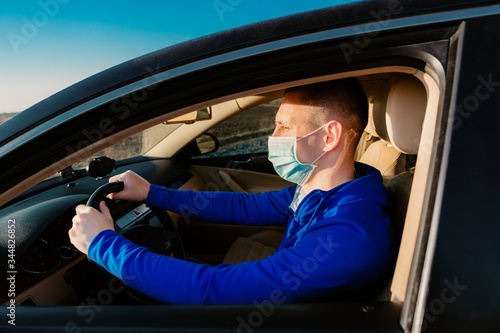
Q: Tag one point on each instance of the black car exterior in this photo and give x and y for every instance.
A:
(452, 286)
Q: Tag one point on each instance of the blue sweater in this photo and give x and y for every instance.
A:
(336, 241)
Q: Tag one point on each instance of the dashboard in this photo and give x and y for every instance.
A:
(38, 245)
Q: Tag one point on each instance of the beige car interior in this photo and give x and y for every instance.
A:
(403, 109)
(403, 112)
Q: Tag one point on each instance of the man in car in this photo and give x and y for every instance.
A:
(337, 236)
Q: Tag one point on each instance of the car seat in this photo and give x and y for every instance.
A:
(377, 152)
(399, 114)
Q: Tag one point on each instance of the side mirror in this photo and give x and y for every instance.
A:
(206, 143)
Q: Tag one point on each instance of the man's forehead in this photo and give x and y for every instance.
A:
(295, 116)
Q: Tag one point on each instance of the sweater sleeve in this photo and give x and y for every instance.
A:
(225, 207)
(346, 244)
(330, 260)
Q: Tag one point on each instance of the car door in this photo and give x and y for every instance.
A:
(458, 276)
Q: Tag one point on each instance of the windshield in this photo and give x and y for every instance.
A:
(135, 145)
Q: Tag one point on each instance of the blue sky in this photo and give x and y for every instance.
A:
(47, 45)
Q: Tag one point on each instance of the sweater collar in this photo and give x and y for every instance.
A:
(369, 179)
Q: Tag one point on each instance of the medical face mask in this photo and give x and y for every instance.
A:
(283, 155)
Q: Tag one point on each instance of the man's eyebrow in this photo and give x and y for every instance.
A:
(280, 122)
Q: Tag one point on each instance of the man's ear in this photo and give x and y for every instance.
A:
(334, 132)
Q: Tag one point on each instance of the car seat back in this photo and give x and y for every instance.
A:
(396, 118)
(399, 111)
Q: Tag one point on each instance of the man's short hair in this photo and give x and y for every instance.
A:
(342, 100)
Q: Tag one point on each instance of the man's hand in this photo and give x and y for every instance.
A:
(136, 188)
(88, 223)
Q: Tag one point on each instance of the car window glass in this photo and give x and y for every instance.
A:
(135, 145)
(247, 132)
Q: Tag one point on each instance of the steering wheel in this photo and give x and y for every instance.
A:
(101, 193)
(163, 239)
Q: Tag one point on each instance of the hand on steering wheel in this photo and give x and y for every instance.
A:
(92, 219)
(135, 188)
(88, 223)
(95, 217)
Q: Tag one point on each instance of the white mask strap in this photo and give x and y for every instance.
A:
(311, 133)
(320, 156)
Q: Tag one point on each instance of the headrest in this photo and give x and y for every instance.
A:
(399, 110)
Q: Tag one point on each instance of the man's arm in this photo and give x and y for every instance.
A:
(225, 207)
(222, 207)
(331, 259)
(346, 247)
